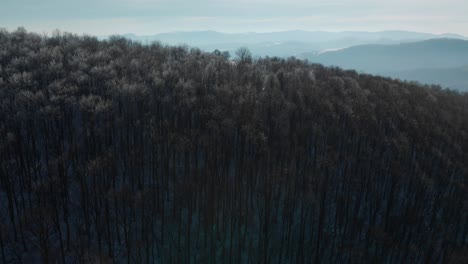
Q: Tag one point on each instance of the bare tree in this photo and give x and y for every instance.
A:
(243, 55)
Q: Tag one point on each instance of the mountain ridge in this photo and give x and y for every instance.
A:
(210, 40)
(426, 58)
(394, 33)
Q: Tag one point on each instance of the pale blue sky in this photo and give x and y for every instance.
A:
(105, 17)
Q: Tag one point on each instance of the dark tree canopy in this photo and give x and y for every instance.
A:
(117, 152)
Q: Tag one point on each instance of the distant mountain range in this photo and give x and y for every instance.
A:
(285, 43)
(434, 61)
(213, 37)
(427, 58)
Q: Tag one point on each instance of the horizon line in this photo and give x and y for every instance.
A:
(237, 33)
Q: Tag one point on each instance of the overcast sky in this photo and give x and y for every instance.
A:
(105, 17)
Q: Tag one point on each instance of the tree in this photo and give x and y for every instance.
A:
(243, 55)
(226, 54)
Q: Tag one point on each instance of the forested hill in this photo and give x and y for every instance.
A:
(112, 151)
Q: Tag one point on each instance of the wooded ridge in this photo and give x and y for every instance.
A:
(117, 152)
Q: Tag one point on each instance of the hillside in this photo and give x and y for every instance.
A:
(415, 60)
(117, 152)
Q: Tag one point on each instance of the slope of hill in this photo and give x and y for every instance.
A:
(117, 152)
(436, 57)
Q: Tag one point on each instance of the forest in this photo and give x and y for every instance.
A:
(113, 151)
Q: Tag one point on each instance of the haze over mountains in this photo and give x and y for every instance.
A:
(434, 61)
(427, 58)
(286, 43)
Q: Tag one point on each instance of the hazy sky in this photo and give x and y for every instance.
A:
(104, 17)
